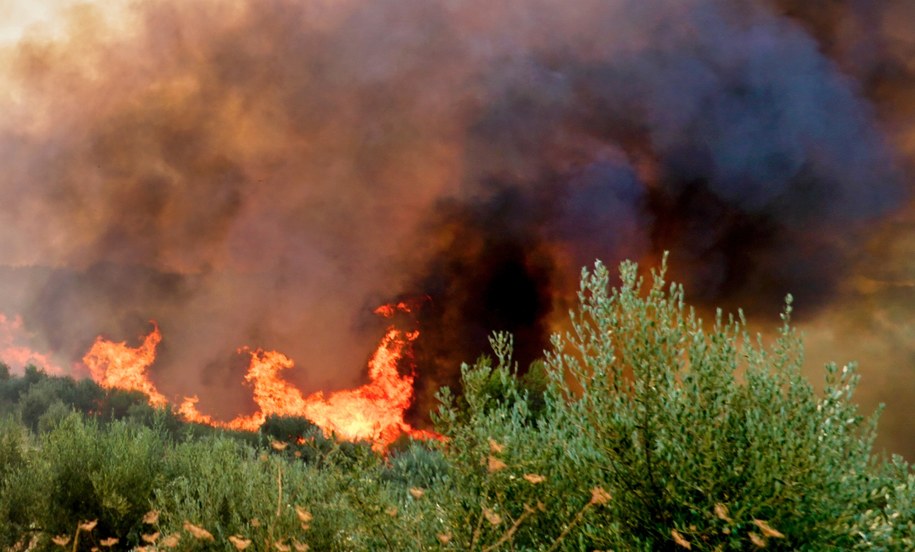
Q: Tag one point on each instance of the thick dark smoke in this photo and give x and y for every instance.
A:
(264, 173)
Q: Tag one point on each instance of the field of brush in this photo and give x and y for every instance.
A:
(642, 429)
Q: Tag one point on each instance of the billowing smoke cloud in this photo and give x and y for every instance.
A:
(264, 173)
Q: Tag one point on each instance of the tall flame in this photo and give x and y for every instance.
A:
(373, 412)
(117, 366)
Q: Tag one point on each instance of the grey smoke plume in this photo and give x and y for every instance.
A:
(264, 173)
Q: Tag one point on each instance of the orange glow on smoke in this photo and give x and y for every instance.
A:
(117, 366)
(15, 354)
(373, 412)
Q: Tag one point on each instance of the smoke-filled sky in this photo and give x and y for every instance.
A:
(265, 172)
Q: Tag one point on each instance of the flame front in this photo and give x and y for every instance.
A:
(117, 366)
(373, 412)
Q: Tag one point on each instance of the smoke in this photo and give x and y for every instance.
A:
(265, 173)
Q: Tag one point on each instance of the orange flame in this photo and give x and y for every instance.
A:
(373, 412)
(16, 355)
(117, 366)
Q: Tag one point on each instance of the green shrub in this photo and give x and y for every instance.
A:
(701, 435)
(644, 428)
(231, 489)
(17, 505)
(89, 472)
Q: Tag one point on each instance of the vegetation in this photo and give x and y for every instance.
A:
(643, 428)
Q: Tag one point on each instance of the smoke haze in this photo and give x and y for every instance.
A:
(265, 173)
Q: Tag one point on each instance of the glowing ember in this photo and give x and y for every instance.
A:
(14, 352)
(389, 311)
(373, 412)
(117, 366)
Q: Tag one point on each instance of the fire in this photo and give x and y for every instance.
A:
(373, 412)
(388, 311)
(117, 366)
(14, 353)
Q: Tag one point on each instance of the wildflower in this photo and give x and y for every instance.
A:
(534, 478)
(239, 542)
(170, 541)
(767, 529)
(61, 540)
(599, 496)
(151, 517)
(757, 540)
(278, 445)
(392, 511)
(150, 538)
(680, 539)
(495, 447)
(198, 532)
(299, 546)
(88, 526)
(304, 515)
(721, 512)
(417, 492)
(492, 517)
(444, 538)
(109, 542)
(495, 464)
(281, 547)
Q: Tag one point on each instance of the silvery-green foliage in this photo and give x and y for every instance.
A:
(702, 429)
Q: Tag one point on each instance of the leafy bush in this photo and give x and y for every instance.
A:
(86, 472)
(702, 435)
(644, 428)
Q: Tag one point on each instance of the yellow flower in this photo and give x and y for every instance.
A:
(198, 532)
(599, 496)
(680, 539)
(721, 511)
(304, 515)
(492, 517)
(534, 478)
(495, 464)
(767, 529)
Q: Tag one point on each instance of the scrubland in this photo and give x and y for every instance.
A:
(642, 428)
